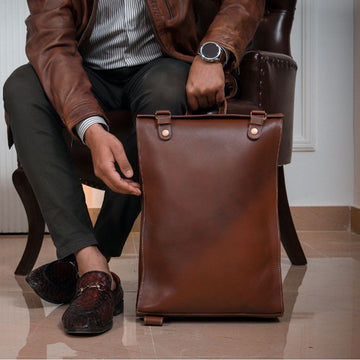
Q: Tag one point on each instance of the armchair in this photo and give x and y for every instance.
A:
(267, 81)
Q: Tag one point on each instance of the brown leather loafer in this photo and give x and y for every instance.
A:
(54, 282)
(95, 304)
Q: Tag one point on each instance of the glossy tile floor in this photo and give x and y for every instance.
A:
(321, 320)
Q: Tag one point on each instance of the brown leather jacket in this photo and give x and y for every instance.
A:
(55, 28)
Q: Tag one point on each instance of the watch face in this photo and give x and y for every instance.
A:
(211, 50)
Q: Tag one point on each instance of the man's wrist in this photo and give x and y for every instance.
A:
(84, 125)
(93, 133)
(213, 52)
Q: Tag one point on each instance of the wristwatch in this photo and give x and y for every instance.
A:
(213, 52)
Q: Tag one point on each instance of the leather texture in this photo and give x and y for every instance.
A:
(93, 308)
(210, 241)
(54, 282)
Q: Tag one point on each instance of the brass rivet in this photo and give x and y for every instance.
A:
(165, 133)
(254, 131)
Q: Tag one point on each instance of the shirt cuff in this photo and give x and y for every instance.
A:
(82, 126)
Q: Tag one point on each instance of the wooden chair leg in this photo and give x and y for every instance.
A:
(288, 233)
(35, 220)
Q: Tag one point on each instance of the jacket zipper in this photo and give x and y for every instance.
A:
(169, 8)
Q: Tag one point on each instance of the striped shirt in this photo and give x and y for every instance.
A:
(122, 37)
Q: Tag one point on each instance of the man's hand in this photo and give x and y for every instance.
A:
(106, 150)
(205, 85)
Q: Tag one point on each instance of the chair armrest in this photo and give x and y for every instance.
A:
(267, 82)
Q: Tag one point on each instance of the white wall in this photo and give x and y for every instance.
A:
(326, 175)
(12, 55)
(357, 105)
(322, 170)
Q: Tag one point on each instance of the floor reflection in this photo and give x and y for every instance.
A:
(45, 338)
(321, 318)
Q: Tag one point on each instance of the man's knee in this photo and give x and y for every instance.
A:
(14, 85)
(21, 86)
(166, 95)
(166, 86)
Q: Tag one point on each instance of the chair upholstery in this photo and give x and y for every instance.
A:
(266, 81)
(268, 72)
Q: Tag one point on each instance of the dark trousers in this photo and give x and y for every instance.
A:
(38, 136)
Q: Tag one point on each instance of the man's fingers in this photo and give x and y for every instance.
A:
(121, 159)
(117, 184)
(203, 101)
(106, 151)
(192, 102)
(205, 98)
(220, 96)
(122, 186)
(206, 101)
(211, 99)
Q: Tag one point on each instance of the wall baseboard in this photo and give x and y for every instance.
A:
(306, 218)
(321, 218)
(355, 220)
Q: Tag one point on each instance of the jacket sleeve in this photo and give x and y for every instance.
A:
(52, 49)
(234, 25)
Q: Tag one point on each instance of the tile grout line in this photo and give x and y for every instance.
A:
(152, 341)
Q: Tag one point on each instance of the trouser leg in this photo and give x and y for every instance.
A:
(118, 211)
(37, 132)
(158, 85)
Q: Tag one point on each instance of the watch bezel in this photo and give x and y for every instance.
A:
(216, 58)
